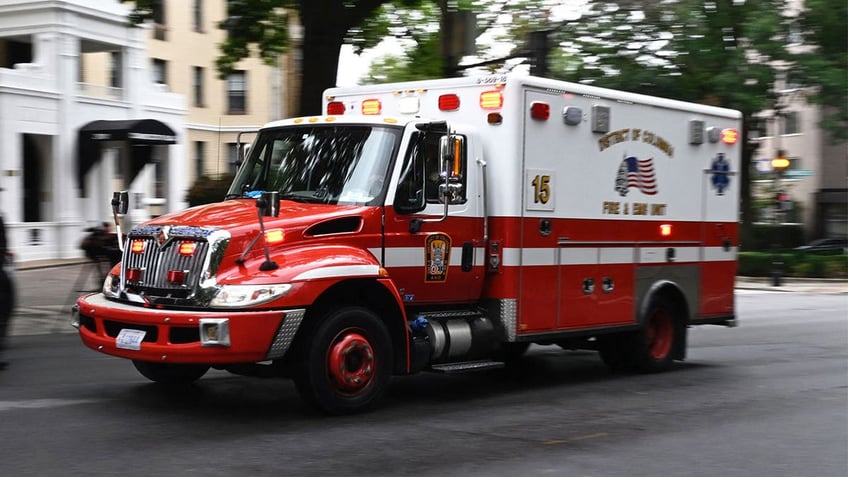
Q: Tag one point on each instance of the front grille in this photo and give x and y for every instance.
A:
(154, 268)
(156, 261)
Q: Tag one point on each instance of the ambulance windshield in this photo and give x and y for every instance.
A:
(326, 164)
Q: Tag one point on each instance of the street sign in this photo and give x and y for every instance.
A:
(794, 174)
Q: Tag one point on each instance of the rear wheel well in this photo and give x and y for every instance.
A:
(368, 294)
(673, 296)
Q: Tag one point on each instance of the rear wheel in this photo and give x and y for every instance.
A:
(171, 374)
(346, 361)
(654, 346)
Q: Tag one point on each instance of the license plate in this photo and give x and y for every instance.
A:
(130, 339)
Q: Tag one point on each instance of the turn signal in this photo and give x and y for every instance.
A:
(274, 236)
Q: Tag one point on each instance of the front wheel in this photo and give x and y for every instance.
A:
(346, 361)
(171, 374)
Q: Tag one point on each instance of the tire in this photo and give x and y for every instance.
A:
(171, 374)
(345, 362)
(614, 350)
(653, 348)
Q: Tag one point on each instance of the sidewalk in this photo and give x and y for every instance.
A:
(46, 293)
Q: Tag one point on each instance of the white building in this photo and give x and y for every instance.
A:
(69, 136)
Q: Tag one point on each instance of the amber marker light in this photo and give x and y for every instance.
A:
(137, 246)
(274, 236)
(491, 99)
(729, 136)
(187, 248)
(371, 107)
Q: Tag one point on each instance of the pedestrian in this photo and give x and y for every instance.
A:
(7, 295)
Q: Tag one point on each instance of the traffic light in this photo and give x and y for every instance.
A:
(782, 201)
(780, 163)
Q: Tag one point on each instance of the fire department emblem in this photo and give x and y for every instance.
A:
(720, 170)
(437, 257)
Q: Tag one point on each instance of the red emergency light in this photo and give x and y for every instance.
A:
(177, 277)
(540, 110)
(133, 274)
(448, 102)
(336, 108)
(665, 230)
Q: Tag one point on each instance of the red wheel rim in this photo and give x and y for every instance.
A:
(660, 334)
(350, 362)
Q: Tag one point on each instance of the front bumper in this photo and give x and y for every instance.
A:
(174, 336)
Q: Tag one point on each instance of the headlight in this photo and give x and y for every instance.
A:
(237, 296)
(110, 285)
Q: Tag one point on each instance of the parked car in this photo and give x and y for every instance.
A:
(826, 245)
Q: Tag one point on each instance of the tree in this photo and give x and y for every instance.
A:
(823, 63)
(262, 27)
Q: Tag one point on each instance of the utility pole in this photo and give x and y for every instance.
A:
(779, 164)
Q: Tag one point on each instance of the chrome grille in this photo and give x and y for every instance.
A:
(146, 273)
(156, 261)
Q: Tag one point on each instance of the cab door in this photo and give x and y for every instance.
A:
(433, 246)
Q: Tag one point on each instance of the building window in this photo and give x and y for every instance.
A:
(160, 178)
(236, 93)
(232, 158)
(160, 71)
(791, 123)
(197, 85)
(159, 29)
(115, 67)
(197, 15)
(199, 156)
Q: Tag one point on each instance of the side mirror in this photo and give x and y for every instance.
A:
(120, 202)
(446, 150)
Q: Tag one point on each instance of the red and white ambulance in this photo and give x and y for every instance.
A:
(438, 225)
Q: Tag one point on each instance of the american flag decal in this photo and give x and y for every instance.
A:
(638, 173)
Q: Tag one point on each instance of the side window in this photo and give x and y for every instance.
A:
(422, 179)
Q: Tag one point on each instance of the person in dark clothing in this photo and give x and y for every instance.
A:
(7, 294)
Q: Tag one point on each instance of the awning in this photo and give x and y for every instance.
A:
(141, 134)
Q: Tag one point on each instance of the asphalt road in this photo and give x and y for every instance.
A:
(767, 398)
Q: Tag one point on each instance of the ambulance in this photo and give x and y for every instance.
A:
(440, 225)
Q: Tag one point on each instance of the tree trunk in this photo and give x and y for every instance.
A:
(325, 25)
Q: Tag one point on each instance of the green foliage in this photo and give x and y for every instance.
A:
(207, 190)
(822, 23)
(263, 23)
(763, 264)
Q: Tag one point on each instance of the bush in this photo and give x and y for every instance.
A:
(761, 264)
(207, 190)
